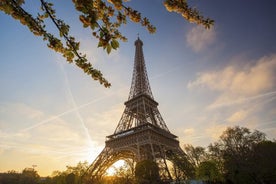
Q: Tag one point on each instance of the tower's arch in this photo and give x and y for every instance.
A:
(141, 133)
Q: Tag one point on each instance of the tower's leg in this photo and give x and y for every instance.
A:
(162, 163)
(98, 167)
(179, 159)
(105, 159)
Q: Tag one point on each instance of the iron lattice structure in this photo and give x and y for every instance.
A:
(141, 133)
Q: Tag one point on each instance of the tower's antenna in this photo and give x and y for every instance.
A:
(141, 133)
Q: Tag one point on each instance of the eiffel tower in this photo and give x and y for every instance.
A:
(141, 133)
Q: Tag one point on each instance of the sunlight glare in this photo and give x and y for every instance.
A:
(112, 170)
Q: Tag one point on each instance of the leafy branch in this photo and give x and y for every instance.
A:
(103, 19)
(191, 14)
(72, 48)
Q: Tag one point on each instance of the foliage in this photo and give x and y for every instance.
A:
(195, 155)
(177, 174)
(147, 172)
(29, 176)
(206, 168)
(103, 18)
(262, 162)
(234, 149)
(72, 175)
(183, 168)
(215, 155)
(11, 177)
(209, 171)
(124, 174)
(190, 14)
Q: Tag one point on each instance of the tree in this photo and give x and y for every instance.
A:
(58, 177)
(195, 155)
(262, 162)
(208, 171)
(147, 172)
(46, 180)
(29, 176)
(11, 177)
(72, 175)
(235, 147)
(70, 178)
(182, 168)
(215, 155)
(103, 18)
(77, 172)
(125, 173)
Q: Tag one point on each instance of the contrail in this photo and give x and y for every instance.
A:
(266, 123)
(157, 76)
(213, 106)
(72, 99)
(64, 113)
(75, 107)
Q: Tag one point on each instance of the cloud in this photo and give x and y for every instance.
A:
(215, 131)
(242, 80)
(104, 123)
(22, 109)
(61, 141)
(238, 116)
(227, 99)
(199, 38)
(241, 93)
(15, 116)
(57, 137)
(189, 131)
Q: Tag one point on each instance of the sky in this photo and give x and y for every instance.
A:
(53, 115)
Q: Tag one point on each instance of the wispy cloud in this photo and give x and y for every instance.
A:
(58, 140)
(11, 113)
(199, 38)
(238, 116)
(215, 131)
(237, 84)
(104, 123)
(238, 94)
(55, 117)
(226, 100)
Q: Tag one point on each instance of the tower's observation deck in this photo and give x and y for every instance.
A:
(141, 132)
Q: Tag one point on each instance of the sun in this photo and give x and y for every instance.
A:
(91, 151)
(111, 171)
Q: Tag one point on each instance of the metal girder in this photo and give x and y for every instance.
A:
(140, 81)
(141, 132)
(140, 110)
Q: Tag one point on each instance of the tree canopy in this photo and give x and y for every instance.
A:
(104, 18)
(147, 172)
(246, 156)
(208, 171)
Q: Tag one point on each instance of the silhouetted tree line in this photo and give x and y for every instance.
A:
(28, 176)
(240, 156)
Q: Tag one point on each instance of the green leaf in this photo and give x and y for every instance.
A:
(114, 44)
(108, 48)
(100, 44)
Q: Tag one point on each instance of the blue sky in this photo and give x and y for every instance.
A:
(53, 115)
